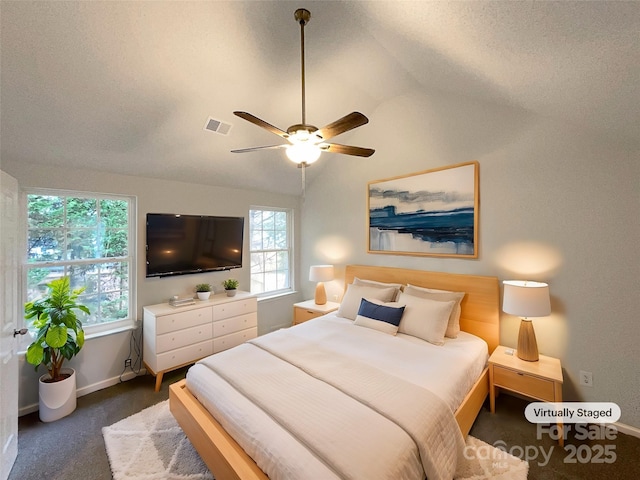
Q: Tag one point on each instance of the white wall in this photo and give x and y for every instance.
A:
(101, 361)
(557, 203)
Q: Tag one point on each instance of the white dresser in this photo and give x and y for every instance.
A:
(177, 336)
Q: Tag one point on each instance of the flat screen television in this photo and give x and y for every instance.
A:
(183, 244)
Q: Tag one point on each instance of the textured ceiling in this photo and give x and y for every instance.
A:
(127, 87)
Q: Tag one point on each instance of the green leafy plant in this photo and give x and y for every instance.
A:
(230, 284)
(203, 287)
(60, 334)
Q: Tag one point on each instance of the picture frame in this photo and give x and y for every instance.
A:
(429, 213)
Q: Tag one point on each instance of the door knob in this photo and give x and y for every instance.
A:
(22, 331)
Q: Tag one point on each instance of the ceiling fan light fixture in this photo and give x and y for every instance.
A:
(303, 153)
(307, 142)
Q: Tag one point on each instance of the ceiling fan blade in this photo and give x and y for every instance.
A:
(344, 124)
(254, 149)
(347, 149)
(261, 123)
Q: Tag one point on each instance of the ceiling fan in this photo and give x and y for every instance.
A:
(306, 142)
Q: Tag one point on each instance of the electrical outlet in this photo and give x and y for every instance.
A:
(586, 378)
(127, 363)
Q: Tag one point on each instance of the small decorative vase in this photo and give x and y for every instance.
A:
(203, 295)
(231, 292)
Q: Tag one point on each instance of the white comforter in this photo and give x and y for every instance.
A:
(330, 405)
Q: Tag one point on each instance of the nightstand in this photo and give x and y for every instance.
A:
(541, 380)
(303, 311)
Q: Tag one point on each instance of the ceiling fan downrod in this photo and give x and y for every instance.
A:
(302, 16)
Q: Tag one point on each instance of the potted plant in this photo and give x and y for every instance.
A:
(203, 290)
(230, 285)
(59, 336)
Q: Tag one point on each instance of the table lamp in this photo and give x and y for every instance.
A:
(526, 299)
(320, 274)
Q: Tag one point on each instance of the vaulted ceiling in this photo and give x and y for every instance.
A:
(127, 87)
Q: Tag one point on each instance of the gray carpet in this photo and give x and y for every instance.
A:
(73, 448)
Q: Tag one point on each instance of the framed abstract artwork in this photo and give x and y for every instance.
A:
(434, 212)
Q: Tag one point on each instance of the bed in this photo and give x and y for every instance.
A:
(479, 316)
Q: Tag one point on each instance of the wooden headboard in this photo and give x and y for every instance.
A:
(480, 306)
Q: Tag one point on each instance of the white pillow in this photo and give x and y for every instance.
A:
(382, 316)
(424, 318)
(453, 326)
(355, 293)
(373, 283)
(383, 327)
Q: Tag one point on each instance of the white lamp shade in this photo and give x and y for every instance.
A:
(321, 273)
(526, 299)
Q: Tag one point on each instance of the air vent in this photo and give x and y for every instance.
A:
(217, 126)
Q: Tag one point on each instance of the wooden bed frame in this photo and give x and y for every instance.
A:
(480, 316)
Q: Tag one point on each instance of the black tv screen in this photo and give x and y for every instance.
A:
(182, 244)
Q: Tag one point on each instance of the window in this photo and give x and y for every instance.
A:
(90, 239)
(270, 249)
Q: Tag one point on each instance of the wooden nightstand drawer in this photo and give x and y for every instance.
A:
(522, 383)
(303, 311)
(302, 315)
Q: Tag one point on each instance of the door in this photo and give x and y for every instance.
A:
(8, 323)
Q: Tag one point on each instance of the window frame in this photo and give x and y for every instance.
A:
(99, 329)
(290, 250)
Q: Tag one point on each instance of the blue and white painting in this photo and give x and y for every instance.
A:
(427, 213)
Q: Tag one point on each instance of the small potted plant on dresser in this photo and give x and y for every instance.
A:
(59, 336)
(203, 290)
(230, 285)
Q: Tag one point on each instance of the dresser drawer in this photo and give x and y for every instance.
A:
(523, 383)
(182, 320)
(229, 341)
(233, 309)
(235, 324)
(182, 338)
(184, 355)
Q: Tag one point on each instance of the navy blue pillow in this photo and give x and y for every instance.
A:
(383, 313)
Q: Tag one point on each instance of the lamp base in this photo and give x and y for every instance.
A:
(321, 294)
(527, 345)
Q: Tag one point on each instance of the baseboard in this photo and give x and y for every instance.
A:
(627, 429)
(81, 392)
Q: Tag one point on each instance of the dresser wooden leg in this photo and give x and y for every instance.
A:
(159, 381)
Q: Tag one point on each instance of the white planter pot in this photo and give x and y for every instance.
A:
(203, 295)
(57, 399)
(231, 293)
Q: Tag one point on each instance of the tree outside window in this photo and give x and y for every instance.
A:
(270, 249)
(90, 240)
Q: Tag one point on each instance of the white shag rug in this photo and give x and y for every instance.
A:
(151, 446)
